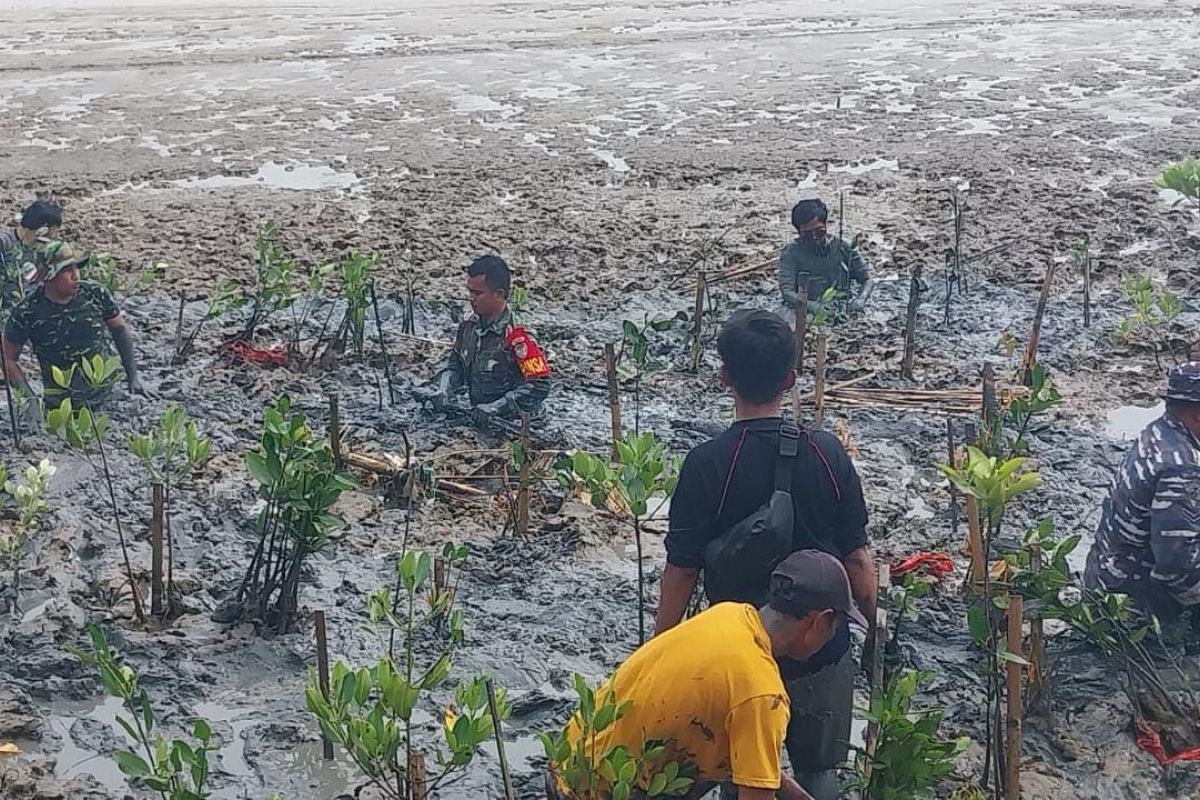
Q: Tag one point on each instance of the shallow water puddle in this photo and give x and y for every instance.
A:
(273, 175)
(1126, 422)
(73, 759)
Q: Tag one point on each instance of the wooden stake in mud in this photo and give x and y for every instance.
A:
(952, 462)
(991, 403)
(1087, 288)
(614, 394)
(387, 360)
(1036, 334)
(335, 430)
(439, 574)
(156, 549)
(1012, 771)
(523, 486)
(494, 708)
(801, 328)
(974, 526)
(698, 321)
(12, 408)
(417, 780)
(910, 324)
(323, 673)
(179, 326)
(819, 383)
(1037, 633)
(879, 644)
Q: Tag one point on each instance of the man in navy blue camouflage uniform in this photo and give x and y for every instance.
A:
(1148, 542)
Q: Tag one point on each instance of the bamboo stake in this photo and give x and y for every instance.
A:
(1087, 288)
(801, 326)
(439, 574)
(526, 468)
(494, 709)
(698, 320)
(335, 430)
(1037, 642)
(1012, 773)
(1038, 316)
(156, 549)
(179, 326)
(416, 777)
(952, 462)
(387, 361)
(614, 394)
(323, 673)
(819, 382)
(12, 408)
(879, 645)
(991, 407)
(975, 542)
(910, 325)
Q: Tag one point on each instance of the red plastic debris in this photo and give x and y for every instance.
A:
(244, 351)
(937, 563)
(1149, 740)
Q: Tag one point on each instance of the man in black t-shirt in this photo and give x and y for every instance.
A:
(727, 479)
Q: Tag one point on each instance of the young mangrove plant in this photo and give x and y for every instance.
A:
(1155, 311)
(174, 770)
(29, 500)
(911, 760)
(633, 358)
(169, 452)
(299, 483)
(590, 772)
(226, 298)
(1019, 417)
(102, 268)
(354, 280)
(274, 274)
(644, 470)
(994, 483)
(84, 431)
(369, 712)
(1183, 178)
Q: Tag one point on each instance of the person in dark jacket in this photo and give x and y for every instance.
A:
(820, 261)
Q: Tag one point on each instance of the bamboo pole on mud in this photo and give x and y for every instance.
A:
(179, 326)
(819, 382)
(910, 324)
(494, 710)
(1039, 315)
(156, 549)
(879, 644)
(387, 361)
(952, 462)
(991, 404)
(1037, 634)
(1087, 288)
(614, 394)
(698, 320)
(335, 430)
(974, 528)
(417, 781)
(1012, 767)
(523, 487)
(323, 673)
(801, 328)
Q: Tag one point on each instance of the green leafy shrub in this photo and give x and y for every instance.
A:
(32, 507)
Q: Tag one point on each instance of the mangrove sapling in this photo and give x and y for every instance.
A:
(369, 711)
(170, 451)
(994, 483)
(1018, 419)
(1183, 178)
(226, 298)
(83, 430)
(614, 773)
(274, 275)
(903, 597)
(176, 769)
(911, 759)
(29, 501)
(299, 482)
(643, 470)
(102, 268)
(1155, 311)
(353, 272)
(635, 346)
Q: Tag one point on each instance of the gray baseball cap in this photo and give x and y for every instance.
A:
(811, 580)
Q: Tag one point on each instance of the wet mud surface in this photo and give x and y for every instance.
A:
(598, 148)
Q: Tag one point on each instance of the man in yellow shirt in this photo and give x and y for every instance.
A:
(709, 690)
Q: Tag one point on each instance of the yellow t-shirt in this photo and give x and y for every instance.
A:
(711, 691)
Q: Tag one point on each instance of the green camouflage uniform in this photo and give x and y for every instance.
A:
(836, 265)
(16, 258)
(483, 362)
(61, 335)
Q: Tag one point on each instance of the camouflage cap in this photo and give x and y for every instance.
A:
(57, 256)
(1183, 383)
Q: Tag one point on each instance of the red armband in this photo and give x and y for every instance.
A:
(527, 353)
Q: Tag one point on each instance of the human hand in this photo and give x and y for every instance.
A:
(31, 414)
(483, 413)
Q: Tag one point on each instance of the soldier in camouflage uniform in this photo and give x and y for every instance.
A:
(820, 261)
(1148, 542)
(19, 250)
(495, 358)
(65, 320)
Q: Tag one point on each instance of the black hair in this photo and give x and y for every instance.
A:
(494, 269)
(41, 214)
(808, 210)
(758, 350)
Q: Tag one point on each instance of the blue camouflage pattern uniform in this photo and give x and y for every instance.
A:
(1148, 540)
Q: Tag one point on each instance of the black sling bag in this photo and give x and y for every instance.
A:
(738, 563)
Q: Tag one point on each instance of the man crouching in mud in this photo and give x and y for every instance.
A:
(819, 261)
(65, 320)
(709, 691)
(495, 357)
(1148, 541)
(745, 500)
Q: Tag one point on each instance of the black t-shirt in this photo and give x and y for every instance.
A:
(727, 479)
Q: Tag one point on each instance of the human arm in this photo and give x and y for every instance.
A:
(123, 340)
(1175, 534)
(756, 729)
(675, 592)
(12, 369)
(858, 274)
(691, 521)
(788, 278)
(860, 569)
(788, 790)
(453, 371)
